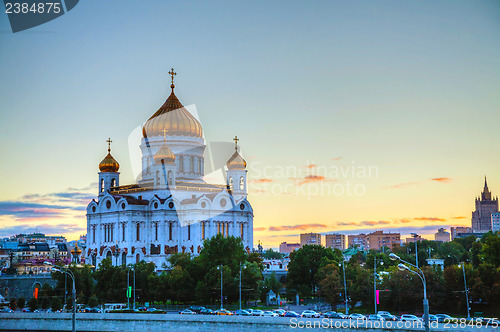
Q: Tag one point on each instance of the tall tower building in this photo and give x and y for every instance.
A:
(486, 205)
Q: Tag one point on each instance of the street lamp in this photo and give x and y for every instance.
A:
(404, 267)
(345, 287)
(415, 236)
(375, 282)
(70, 273)
(128, 286)
(221, 285)
(117, 253)
(466, 291)
(242, 266)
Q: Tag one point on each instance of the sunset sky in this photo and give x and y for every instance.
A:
(353, 116)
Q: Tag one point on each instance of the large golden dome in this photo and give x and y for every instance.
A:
(109, 164)
(173, 118)
(164, 154)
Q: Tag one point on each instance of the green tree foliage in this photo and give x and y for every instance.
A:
(93, 302)
(271, 254)
(21, 302)
(33, 303)
(56, 303)
(331, 284)
(491, 249)
(304, 266)
(12, 304)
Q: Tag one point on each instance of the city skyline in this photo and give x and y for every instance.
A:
(404, 94)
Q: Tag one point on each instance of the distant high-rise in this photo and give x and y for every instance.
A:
(455, 231)
(486, 205)
(335, 241)
(310, 238)
(442, 235)
(286, 248)
(379, 239)
(357, 241)
(495, 222)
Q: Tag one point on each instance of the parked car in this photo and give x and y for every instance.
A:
(329, 314)
(443, 318)
(26, 310)
(270, 314)
(356, 316)
(94, 310)
(151, 309)
(388, 316)
(242, 313)
(196, 308)
(291, 314)
(249, 310)
(187, 312)
(142, 309)
(223, 312)
(310, 314)
(280, 312)
(409, 318)
(376, 317)
(257, 312)
(7, 310)
(206, 311)
(432, 318)
(384, 313)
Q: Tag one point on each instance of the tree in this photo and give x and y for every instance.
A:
(271, 254)
(305, 264)
(93, 302)
(12, 304)
(33, 303)
(331, 284)
(491, 249)
(56, 303)
(21, 302)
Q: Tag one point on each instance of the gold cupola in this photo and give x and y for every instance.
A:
(109, 164)
(173, 118)
(164, 153)
(76, 250)
(236, 162)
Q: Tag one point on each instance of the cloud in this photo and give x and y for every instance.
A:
(372, 223)
(295, 227)
(429, 219)
(23, 210)
(336, 158)
(459, 217)
(259, 229)
(263, 180)
(309, 179)
(442, 180)
(311, 166)
(43, 228)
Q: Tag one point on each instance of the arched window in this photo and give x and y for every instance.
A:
(231, 183)
(124, 258)
(108, 255)
(241, 231)
(181, 163)
(138, 231)
(203, 224)
(102, 185)
(94, 260)
(147, 166)
(170, 226)
(199, 166)
(170, 178)
(157, 177)
(189, 232)
(137, 258)
(191, 164)
(242, 183)
(113, 182)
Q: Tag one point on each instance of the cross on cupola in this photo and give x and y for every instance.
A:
(236, 139)
(109, 144)
(172, 74)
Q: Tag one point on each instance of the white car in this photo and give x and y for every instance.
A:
(310, 314)
(257, 312)
(356, 316)
(410, 318)
(376, 317)
(270, 314)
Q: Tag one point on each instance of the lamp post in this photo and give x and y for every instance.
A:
(345, 288)
(117, 253)
(404, 267)
(415, 236)
(221, 286)
(466, 291)
(133, 269)
(242, 266)
(70, 273)
(375, 282)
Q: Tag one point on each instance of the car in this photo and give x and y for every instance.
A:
(280, 312)
(330, 314)
(242, 313)
(196, 308)
(310, 314)
(357, 316)
(94, 310)
(249, 310)
(376, 317)
(443, 318)
(151, 310)
(291, 314)
(388, 317)
(206, 311)
(7, 310)
(142, 309)
(270, 314)
(257, 312)
(223, 312)
(26, 310)
(432, 318)
(383, 313)
(409, 318)
(187, 312)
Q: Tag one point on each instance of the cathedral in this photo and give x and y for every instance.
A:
(486, 205)
(170, 209)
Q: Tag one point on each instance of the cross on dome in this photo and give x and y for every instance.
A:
(236, 139)
(109, 144)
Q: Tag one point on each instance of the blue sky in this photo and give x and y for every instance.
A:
(410, 87)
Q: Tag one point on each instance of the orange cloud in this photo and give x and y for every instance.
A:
(309, 179)
(259, 229)
(429, 219)
(263, 180)
(311, 166)
(442, 180)
(336, 158)
(372, 223)
(296, 227)
(460, 217)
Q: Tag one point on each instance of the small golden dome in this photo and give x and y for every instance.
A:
(76, 249)
(109, 164)
(236, 162)
(173, 118)
(164, 154)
